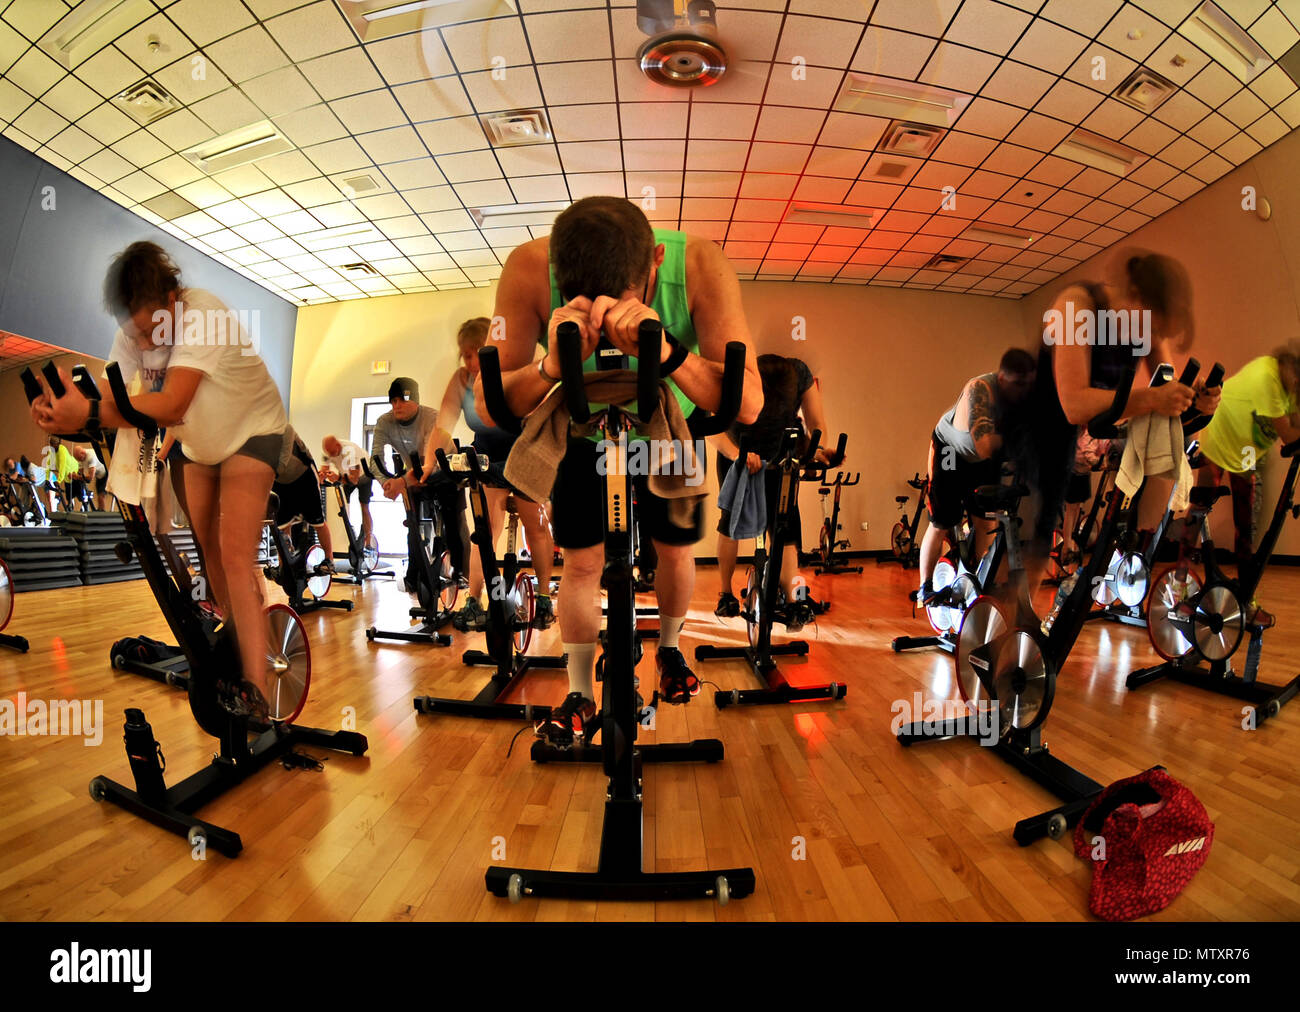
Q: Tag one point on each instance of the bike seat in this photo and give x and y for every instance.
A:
(994, 498)
(1206, 496)
(823, 491)
(897, 498)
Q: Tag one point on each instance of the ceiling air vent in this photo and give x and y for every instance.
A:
(911, 139)
(1089, 148)
(518, 126)
(892, 170)
(1144, 90)
(901, 100)
(944, 262)
(146, 102)
(238, 147)
(357, 186)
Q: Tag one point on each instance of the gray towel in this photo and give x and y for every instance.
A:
(746, 499)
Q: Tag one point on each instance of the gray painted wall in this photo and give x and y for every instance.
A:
(52, 265)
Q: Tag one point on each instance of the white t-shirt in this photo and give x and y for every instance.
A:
(235, 400)
(91, 467)
(349, 456)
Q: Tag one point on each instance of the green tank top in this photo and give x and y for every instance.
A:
(669, 301)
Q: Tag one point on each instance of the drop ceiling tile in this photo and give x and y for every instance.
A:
(708, 156)
(653, 155)
(519, 90)
(714, 231)
(1183, 186)
(1153, 173)
(1273, 86)
(1210, 168)
(35, 72)
(751, 231)
(295, 223)
(1039, 132)
(243, 180)
(449, 221)
(582, 81)
(819, 42)
(1113, 119)
(1240, 148)
(175, 171)
(1290, 111)
(1244, 108)
(1099, 212)
(71, 99)
(204, 193)
(651, 188)
(633, 86)
(108, 72)
(73, 144)
(892, 54)
(472, 166)
(1182, 111)
(925, 19)
(727, 121)
(347, 72)
(1134, 32)
(1063, 202)
(1274, 32)
(308, 193)
(767, 186)
(230, 213)
(288, 167)
(843, 163)
(281, 91)
(779, 123)
(342, 155)
(205, 21)
(1268, 128)
(13, 100)
(872, 194)
(529, 160)
(1150, 136)
(190, 82)
(1093, 182)
(314, 125)
(1049, 46)
(446, 136)
(385, 205)
(708, 208)
(986, 184)
(711, 184)
(1069, 102)
(110, 126)
(990, 119)
(155, 43)
(1213, 131)
(1156, 204)
(528, 189)
(582, 123)
(1183, 152)
(1012, 159)
(1018, 84)
(849, 130)
(336, 215)
(959, 68)
(227, 111)
(1177, 48)
(760, 210)
(374, 110)
(497, 43)
(198, 224)
(310, 31)
(413, 174)
(414, 57)
(33, 17)
(485, 193)
(1100, 68)
(1214, 85)
(992, 27)
(766, 156)
(1126, 193)
(247, 54)
(453, 239)
(396, 144)
(964, 149)
(141, 148)
(817, 90)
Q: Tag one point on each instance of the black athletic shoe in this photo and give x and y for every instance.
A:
(677, 682)
(573, 720)
(728, 605)
(798, 615)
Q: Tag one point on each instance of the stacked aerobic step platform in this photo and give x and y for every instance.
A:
(40, 558)
(97, 535)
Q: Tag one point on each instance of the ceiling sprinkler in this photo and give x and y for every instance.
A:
(683, 50)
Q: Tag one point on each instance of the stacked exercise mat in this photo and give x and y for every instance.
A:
(97, 535)
(40, 558)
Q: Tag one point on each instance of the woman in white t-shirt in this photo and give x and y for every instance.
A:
(214, 393)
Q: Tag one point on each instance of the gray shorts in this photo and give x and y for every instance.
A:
(267, 448)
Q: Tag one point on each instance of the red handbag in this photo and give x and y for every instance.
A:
(1147, 836)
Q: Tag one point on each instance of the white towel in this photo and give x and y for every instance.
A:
(1155, 449)
(134, 467)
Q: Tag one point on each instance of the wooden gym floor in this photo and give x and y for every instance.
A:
(407, 832)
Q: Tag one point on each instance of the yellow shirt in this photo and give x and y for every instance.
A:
(1240, 433)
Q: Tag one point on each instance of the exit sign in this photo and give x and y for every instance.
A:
(379, 368)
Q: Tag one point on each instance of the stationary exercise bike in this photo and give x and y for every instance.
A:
(512, 605)
(21, 507)
(1121, 593)
(301, 566)
(214, 676)
(363, 556)
(764, 599)
(430, 571)
(1007, 663)
(829, 540)
(619, 875)
(902, 539)
(7, 611)
(1197, 626)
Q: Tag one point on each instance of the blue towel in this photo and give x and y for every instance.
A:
(746, 499)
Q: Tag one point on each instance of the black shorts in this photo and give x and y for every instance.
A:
(1079, 487)
(772, 488)
(950, 488)
(578, 504)
(299, 498)
(363, 488)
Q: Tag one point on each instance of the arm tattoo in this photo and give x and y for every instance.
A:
(982, 423)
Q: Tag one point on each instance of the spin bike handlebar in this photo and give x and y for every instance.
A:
(1193, 420)
(1103, 426)
(916, 481)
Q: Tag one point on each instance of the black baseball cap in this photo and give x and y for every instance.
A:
(404, 389)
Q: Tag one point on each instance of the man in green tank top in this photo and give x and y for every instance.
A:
(604, 268)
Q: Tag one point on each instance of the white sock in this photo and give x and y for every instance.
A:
(670, 629)
(581, 665)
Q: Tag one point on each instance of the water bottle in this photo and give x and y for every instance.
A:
(1062, 595)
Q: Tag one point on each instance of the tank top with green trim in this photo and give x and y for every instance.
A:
(669, 301)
